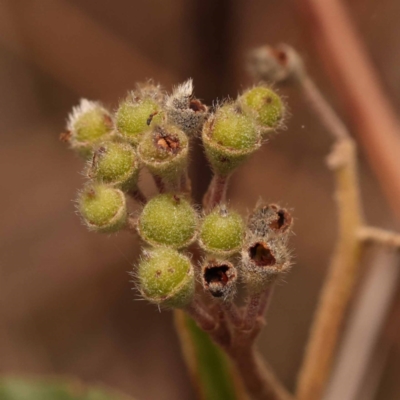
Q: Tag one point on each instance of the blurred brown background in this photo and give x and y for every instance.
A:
(66, 300)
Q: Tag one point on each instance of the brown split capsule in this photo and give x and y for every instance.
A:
(219, 278)
(270, 219)
(263, 261)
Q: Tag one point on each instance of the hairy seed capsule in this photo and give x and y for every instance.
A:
(168, 220)
(102, 208)
(137, 115)
(229, 137)
(270, 219)
(164, 151)
(219, 278)
(263, 262)
(166, 278)
(185, 111)
(221, 232)
(265, 106)
(88, 124)
(116, 164)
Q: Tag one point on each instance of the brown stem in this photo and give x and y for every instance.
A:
(216, 192)
(232, 313)
(258, 378)
(379, 236)
(159, 183)
(359, 89)
(138, 195)
(201, 316)
(339, 284)
(323, 109)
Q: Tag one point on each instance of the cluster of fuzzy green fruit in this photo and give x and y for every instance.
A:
(153, 129)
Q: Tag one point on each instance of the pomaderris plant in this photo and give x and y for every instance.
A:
(194, 256)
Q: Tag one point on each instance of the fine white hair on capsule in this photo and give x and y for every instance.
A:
(180, 95)
(83, 107)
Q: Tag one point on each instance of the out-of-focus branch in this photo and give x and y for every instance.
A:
(284, 64)
(366, 322)
(357, 86)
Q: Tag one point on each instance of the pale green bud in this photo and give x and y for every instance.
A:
(164, 151)
(136, 115)
(229, 137)
(166, 278)
(102, 208)
(116, 164)
(222, 232)
(88, 124)
(263, 104)
(168, 220)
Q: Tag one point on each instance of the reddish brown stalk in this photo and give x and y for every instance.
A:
(138, 195)
(358, 87)
(216, 193)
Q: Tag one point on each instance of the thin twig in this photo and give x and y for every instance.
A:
(358, 87)
(159, 183)
(366, 322)
(138, 195)
(258, 377)
(216, 192)
(381, 236)
(341, 278)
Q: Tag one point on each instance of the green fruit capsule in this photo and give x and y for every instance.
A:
(265, 106)
(168, 220)
(166, 278)
(229, 137)
(115, 164)
(222, 232)
(88, 124)
(134, 117)
(102, 208)
(164, 151)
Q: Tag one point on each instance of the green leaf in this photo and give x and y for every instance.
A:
(53, 389)
(209, 367)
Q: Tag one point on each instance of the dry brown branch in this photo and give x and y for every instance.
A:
(339, 284)
(375, 235)
(366, 322)
(357, 86)
(283, 63)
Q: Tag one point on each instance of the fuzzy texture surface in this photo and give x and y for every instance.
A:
(89, 122)
(134, 119)
(164, 151)
(166, 277)
(233, 129)
(116, 164)
(222, 232)
(102, 208)
(265, 105)
(168, 220)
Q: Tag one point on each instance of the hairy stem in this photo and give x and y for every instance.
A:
(216, 193)
(258, 378)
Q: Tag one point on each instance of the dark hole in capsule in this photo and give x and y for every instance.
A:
(282, 222)
(216, 274)
(261, 255)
